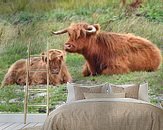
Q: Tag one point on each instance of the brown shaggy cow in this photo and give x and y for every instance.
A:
(110, 53)
(57, 70)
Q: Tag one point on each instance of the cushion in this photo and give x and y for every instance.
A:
(76, 91)
(130, 90)
(104, 95)
(143, 92)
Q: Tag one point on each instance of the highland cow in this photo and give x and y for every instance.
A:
(58, 72)
(110, 53)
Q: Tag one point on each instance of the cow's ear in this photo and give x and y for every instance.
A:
(43, 57)
(82, 33)
(97, 26)
(61, 57)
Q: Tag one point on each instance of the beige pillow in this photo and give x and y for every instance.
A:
(76, 91)
(130, 90)
(143, 92)
(104, 95)
(79, 91)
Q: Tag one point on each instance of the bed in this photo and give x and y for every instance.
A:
(98, 112)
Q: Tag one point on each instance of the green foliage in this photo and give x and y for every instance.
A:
(14, 51)
(7, 94)
(57, 95)
(46, 5)
(75, 63)
(153, 10)
(13, 6)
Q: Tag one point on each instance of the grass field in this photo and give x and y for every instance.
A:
(24, 20)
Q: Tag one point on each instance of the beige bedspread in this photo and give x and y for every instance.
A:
(106, 114)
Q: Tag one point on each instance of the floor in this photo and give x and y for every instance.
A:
(15, 121)
(17, 126)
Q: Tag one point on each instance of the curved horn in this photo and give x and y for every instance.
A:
(91, 29)
(59, 32)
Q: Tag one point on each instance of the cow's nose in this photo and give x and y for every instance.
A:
(56, 71)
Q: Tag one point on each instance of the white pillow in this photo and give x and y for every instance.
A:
(143, 92)
(130, 90)
(71, 91)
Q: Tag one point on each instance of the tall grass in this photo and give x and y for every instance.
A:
(46, 5)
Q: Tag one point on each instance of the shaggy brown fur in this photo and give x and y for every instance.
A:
(111, 53)
(57, 70)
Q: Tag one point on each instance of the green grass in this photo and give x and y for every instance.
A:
(22, 21)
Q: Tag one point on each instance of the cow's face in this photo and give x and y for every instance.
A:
(55, 65)
(75, 44)
(55, 60)
(79, 36)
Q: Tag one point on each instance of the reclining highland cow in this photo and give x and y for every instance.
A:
(58, 72)
(110, 53)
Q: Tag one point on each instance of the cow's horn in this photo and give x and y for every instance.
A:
(91, 29)
(59, 32)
